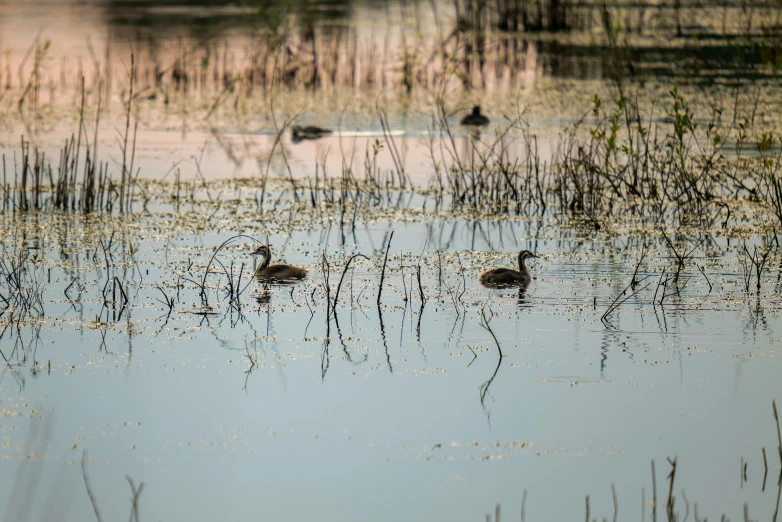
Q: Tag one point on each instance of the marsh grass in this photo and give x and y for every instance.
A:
(82, 182)
(662, 171)
(484, 45)
(754, 263)
(666, 166)
(487, 178)
(659, 164)
(22, 289)
(682, 170)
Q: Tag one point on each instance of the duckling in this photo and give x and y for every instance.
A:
(309, 132)
(279, 273)
(508, 276)
(476, 119)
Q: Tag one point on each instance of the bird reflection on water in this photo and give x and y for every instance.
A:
(263, 296)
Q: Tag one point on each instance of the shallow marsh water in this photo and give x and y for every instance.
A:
(394, 413)
(404, 411)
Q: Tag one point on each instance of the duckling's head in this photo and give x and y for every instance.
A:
(476, 111)
(526, 254)
(262, 250)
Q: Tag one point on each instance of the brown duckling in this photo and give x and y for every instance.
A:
(280, 273)
(310, 132)
(508, 276)
(476, 119)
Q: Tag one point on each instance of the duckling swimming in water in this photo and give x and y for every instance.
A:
(310, 132)
(476, 119)
(279, 273)
(508, 276)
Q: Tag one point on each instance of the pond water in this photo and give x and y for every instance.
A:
(400, 411)
(398, 389)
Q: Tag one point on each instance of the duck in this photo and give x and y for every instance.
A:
(310, 132)
(476, 119)
(508, 276)
(280, 273)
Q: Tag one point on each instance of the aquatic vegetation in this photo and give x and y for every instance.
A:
(463, 48)
(22, 291)
(671, 506)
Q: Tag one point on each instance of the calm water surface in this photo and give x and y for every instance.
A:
(396, 415)
(406, 411)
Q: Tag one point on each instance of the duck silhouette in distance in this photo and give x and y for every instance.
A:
(275, 273)
(475, 119)
(310, 132)
(501, 277)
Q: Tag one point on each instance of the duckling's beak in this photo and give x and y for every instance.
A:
(255, 252)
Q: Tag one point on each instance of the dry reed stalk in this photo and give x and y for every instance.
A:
(383, 271)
